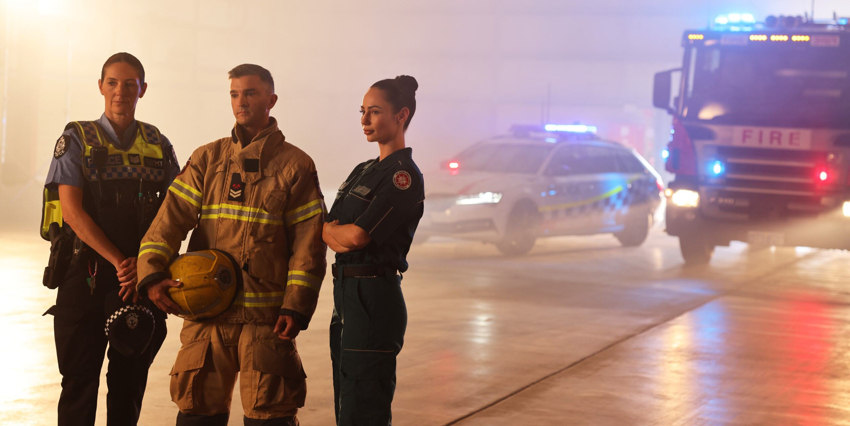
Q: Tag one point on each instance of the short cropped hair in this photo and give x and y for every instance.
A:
(251, 69)
(127, 59)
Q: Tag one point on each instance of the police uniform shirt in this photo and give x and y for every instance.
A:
(384, 198)
(67, 166)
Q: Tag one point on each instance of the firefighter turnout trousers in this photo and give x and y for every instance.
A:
(214, 352)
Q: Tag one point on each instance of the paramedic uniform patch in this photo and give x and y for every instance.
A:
(402, 180)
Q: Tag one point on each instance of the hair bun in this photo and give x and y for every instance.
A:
(407, 82)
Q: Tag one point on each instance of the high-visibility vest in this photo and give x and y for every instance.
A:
(123, 194)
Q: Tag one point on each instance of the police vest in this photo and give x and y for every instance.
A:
(123, 190)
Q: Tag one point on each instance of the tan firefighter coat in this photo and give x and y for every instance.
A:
(263, 205)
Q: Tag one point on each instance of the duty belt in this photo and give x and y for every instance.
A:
(363, 271)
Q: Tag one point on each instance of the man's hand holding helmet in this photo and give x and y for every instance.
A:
(158, 294)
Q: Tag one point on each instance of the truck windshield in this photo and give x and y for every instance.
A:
(799, 86)
(504, 158)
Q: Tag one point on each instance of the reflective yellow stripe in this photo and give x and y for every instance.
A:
(304, 284)
(307, 211)
(305, 273)
(159, 252)
(269, 294)
(304, 278)
(235, 207)
(308, 216)
(189, 187)
(163, 245)
(184, 196)
(242, 218)
(256, 305)
(304, 207)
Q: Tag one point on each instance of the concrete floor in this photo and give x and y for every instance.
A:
(580, 331)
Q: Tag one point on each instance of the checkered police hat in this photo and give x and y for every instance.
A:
(129, 326)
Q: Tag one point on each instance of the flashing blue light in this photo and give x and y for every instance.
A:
(571, 128)
(735, 18)
(552, 192)
(843, 21)
(551, 140)
(665, 154)
(717, 168)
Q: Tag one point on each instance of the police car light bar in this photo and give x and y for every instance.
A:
(570, 128)
(735, 18)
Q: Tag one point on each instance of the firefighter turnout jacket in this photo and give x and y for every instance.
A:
(261, 203)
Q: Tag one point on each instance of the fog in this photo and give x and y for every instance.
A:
(482, 65)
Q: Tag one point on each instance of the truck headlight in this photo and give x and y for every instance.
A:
(846, 209)
(685, 198)
(480, 198)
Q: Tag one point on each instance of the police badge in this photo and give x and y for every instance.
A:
(60, 148)
(132, 321)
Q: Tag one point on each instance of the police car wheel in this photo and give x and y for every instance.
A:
(520, 233)
(695, 250)
(636, 230)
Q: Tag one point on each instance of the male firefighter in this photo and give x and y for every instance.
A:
(256, 197)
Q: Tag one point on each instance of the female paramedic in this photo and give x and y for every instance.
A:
(370, 227)
(109, 176)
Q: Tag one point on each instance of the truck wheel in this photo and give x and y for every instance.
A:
(521, 232)
(636, 230)
(695, 250)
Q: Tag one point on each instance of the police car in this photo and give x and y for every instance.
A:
(542, 181)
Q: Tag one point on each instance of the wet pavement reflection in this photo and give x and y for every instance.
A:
(580, 331)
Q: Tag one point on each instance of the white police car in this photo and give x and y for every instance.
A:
(541, 181)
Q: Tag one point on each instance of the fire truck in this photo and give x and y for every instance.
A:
(760, 140)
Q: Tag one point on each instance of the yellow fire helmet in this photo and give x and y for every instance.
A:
(211, 279)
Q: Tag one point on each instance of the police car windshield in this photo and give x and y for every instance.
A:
(504, 158)
(769, 85)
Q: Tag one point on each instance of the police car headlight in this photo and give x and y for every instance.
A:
(480, 198)
(685, 198)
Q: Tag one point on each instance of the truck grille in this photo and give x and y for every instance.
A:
(771, 171)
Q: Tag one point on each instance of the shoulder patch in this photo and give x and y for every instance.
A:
(61, 147)
(402, 180)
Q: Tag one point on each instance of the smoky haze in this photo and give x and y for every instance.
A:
(482, 66)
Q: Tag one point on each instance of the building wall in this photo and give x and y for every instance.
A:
(482, 65)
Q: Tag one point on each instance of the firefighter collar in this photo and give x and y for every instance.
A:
(238, 130)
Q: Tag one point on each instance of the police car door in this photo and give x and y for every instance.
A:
(561, 197)
(603, 189)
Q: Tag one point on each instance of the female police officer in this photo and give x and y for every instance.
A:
(370, 227)
(110, 176)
